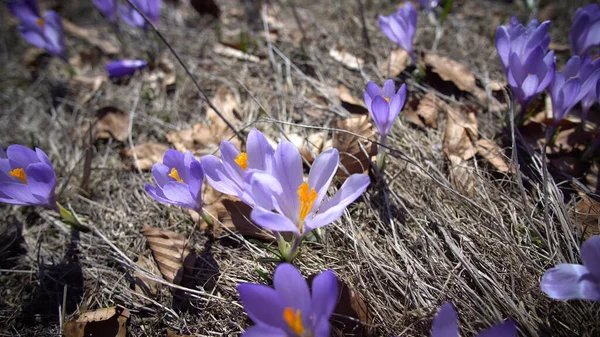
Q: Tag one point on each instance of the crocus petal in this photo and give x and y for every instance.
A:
(566, 281)
(590, 255)
(157, 194)
(384, 24)
(322, 172)
(530, 85)
(263, 304)
(572, 67)
(21, 156)
(55, 35)
(265, 189)
(263, 331)
(218, 177)
(174, 159)
(592, 38)
(445, 322)
(123, 68)
(380, 110)
(229, 153)
(160, 174)
(41, 180)
(180, 194)
(17, 194)
(260, 152)
(322, 328)
(288, 170)
(195, 181)
(292, 288)
(273, 221)
(33, 36)
(502, 44)
(504, 329)
(373, 90)
(324, 294)
(389, 88)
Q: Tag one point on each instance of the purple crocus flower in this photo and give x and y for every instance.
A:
(27, 177)
(151, 8)
(123, 68)
(570, 86)
(290, 310)
(429, 5)
(445, 324)
(46, 33)
(179, 180)
(301, 205)
(108, 8)
(585, 30)
(569, 281)
(588, 66)
(227, 175)
(400, 27)
(527, 63)
(384, 105)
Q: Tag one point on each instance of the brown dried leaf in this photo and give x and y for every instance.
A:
(91, 36)
(348, 60)
(147, 155)
(461, 131)
(201, 139)
(450, 70)
(144, 285)
(586, 215)
(352, 157)
(310, 146)
(350, 103)
(108, 322)
(112, 123)
(170, 251)
(493, 154)
(395, 63)
(226, 51)
(426, 114)
(225, 101)
(239, 217)
(85, 87)
(461, 176)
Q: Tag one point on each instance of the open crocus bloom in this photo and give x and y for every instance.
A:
(27, 177)
(300, 205)
(585, 29)
(226, 175)
(290, 310)
(400, 27)
(150, 8)
(445, 324)
(179, 180)
(384, 105)
(569, 281)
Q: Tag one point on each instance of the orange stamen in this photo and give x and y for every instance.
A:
(307, 197)
(19, 173)
(40, 22)
(242, 160)
(294, 320)
(175, 175)
(386, 99)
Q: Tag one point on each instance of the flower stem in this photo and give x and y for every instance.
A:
(68, 217)
(381, 160)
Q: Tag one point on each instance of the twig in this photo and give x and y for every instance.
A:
(130, 127)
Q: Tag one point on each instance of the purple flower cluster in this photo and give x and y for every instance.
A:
(44, 32)
(150, 8)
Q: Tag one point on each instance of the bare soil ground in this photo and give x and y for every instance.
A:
(406, 247)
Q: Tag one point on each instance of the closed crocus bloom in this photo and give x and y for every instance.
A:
(384, 105)
(585, 30)
(44, 32)
(400, 27)
(568, 281)
(123, 68)
(429, 5)
(300, 205)
(569, 87)
(290, 310)
(150, 8)
(445, 324)
(588, 66)
(108, 8)
(179, 180)
(27, 177)
(528, 65)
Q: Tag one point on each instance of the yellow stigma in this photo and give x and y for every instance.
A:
(386, 99)
(175, 175)
(19, 173)
(307, 199)
(294, 320)
(40, 22)
(595, 57)
(242, 160)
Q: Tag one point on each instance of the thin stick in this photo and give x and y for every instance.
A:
(189, 73)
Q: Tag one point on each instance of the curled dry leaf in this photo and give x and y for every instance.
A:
(353, 159)
(450, 70)
(147, 154)
(491, 152)
(85, 87)
(310, 146)
(144, 285)
(395, 63)
(111, 123)
(461, 131)
(226, 51)
(462, 176)
(426, 113)
(91, 36)
(108, 322)
(348, 60)
(349, 102)
(171, 252)
(586, 215)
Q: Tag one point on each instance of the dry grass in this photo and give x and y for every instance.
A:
(406, 246)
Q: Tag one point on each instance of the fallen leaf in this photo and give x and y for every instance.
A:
(85, 87)
(586, 215)
(395, 63)
(461, 131)
(450, 70)
(144, 285)
(111, 123)
(310, 146)
(352, 158)
(239, 214)
(226, 51)
(170, 250)
(206, 7)
(224, 100)
(426, 113)
(91, 36)
(492, 153)
(350, 103)
(461, 176)
(147, 154)
(348, 60)
(107, 322)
